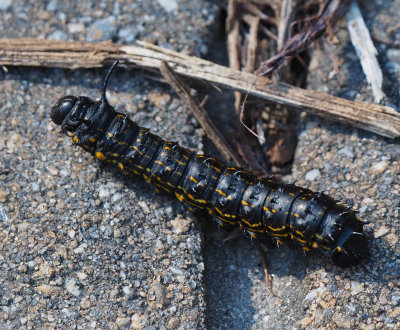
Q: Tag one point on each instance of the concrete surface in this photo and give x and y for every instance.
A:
(85, 247)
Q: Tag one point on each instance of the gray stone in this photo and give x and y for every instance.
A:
(72, 287)
(5, 4)
(57, 35)
(103, 29)
(52, 5)
(127, 34)
(168, 5)
(313, 174)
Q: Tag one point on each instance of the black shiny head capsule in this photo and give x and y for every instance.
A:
(62, 108)
(66, 104)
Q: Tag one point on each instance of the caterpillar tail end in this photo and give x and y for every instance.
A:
(351, 249)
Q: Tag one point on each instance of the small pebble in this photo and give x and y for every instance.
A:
(173, 323)
(3, 196)
(52, 5)
(46, 289)
(116, 197)
(123, 321)
(72, 287)
(5, 4)
(127, 290)
(346, 151)
(80, 249)
(356, 287)
(306, 321)
(159, 292)
(75, 27)
(381, 231)
(35, 186)
(395, 313)
(313, 174)
(395, 298)
(380, 167)
(310, 296)
(168, 5)
(136, 320)
(57, 35)
(180, 225)
(102, 30)
(3, 214)
(85, 303)
(81, 276)
(128, 34)
(104, 191)
(22, 268)
(144, 207)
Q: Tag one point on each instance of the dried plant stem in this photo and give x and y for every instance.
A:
(365, 49)
(199, 113)
(232, 28)
(297, 43)
(376, 118)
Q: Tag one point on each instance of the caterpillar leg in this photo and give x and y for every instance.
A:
(263, 253)
(234, 234)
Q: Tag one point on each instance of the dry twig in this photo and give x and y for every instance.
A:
(301, 40)
(376, 118)
(199, 113)
(286, 17)
(365, 49)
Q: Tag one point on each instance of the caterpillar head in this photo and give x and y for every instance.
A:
(62, 108)
(75, 107)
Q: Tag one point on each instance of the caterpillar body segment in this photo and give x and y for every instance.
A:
(261, 207)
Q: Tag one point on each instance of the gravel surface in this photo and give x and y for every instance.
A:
(85, 247)
(353, 166)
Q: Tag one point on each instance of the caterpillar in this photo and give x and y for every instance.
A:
(261, 207)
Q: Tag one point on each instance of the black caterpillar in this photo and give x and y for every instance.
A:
(260, 207)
